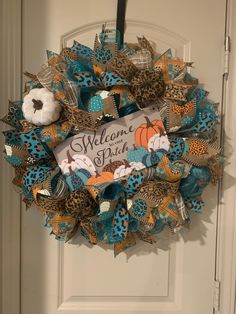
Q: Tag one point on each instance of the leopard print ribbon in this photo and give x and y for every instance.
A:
(146, 85)
(180, 115)
(198, 152)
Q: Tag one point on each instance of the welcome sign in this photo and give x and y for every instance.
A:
(115, 148)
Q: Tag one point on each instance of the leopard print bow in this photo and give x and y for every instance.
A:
(146, 85)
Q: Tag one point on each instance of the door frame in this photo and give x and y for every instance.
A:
(225, 272)
(11, 206)
(10, 202)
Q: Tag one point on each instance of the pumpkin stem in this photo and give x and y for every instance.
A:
(96, 174)
(38, 104)
(149, 123)
(162, 132)
(126, 163)
(69, 157)
(70, 170)
(134, 146)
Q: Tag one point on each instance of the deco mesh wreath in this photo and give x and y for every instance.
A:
(113, 143)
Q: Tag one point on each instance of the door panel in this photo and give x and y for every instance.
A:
(177, 274)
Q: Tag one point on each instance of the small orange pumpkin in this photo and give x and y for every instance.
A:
(146, 130)
(100, 178)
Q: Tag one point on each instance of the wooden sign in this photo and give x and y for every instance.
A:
(115, 148)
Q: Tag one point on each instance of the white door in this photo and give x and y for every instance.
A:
(176, 275)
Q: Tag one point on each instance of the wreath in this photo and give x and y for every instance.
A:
(145, 172)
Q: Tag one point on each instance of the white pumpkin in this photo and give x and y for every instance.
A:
(40, 107)
(84, 162)
(66, 166)
(122, 171)
(137, 165)
(157, 142)
(77, 161)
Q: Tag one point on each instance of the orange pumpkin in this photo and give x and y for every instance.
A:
(100, 178)
(146, 130)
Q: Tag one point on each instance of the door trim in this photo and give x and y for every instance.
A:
(10, 213)
(226, 235)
